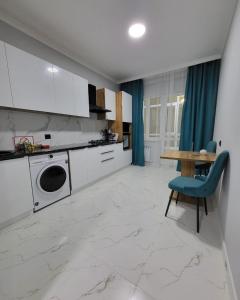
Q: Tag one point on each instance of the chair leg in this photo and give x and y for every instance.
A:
(170, 199)
(197, 215)
(177, 197)
(205, 204)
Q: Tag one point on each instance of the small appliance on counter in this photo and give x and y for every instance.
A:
(108, 135)
(26, 144)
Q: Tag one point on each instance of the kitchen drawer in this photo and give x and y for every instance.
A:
(105, 150)
(107, 165)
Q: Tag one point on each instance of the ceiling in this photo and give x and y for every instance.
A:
(94, 33)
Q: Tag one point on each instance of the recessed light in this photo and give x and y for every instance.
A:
(52, 70)
(136, 30)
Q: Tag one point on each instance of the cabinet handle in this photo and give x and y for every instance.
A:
(107, 152)
(107, 159)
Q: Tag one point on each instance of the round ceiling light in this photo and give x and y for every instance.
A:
(136, 30)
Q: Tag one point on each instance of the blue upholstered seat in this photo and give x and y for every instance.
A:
(204, 167)
(211, 146)
(197, 187)
(200, 186)
(179, 183)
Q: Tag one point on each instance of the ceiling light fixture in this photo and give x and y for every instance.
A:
(52, 70)
(137, 30)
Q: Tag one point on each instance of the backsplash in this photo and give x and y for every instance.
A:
(63, 129)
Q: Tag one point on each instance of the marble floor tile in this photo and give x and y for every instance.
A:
(112, 241)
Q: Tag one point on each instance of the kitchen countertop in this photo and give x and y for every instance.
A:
(54, 149)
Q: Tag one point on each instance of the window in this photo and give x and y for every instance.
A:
(173, 121)
(154, 126)
(163, 106)
(152, 112)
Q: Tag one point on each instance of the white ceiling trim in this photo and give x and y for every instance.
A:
(43, 39)
(173, 68)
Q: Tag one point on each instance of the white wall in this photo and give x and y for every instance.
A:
(227, 126)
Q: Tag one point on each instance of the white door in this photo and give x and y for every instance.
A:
(5, 90)
(126, 107)
(81, 96)
(64, 91)
(31, 81)
(110, 103)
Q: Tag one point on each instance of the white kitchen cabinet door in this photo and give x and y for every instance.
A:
(94, 166)
(31, 81)
(126, 107)
(110, 103)
(16, 192)
(127, 157)
(81, 96)
(64, 92)
(5, 89)
(79, 164)
(123, 158)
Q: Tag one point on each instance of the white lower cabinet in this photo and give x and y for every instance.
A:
(78, 166)
(16, 192)
(127, 157)
(90, 164)
(123, 157)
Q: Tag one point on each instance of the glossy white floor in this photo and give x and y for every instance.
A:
(111, 241)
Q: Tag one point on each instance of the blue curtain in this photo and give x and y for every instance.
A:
(135, 88)
(200, 106)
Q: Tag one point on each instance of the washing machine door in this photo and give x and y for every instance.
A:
(51, 178)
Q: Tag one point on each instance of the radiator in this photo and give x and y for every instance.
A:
(147, 153)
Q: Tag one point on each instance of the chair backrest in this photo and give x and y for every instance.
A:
(211, 146)
(215, 173)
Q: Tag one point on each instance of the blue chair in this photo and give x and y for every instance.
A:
(199, 187)
(204, 167)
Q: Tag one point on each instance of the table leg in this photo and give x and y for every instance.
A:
(187, 168)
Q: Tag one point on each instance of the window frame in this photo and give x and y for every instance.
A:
(164, 135)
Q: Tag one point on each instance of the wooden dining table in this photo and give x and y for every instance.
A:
(188, 160)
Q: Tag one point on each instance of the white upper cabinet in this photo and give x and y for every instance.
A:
(38, 85)
(64, 91)
(126, 107)
(110, 103)
(80, 94)
(31, 81)
(5, 90)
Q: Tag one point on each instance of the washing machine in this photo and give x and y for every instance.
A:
(50, 178)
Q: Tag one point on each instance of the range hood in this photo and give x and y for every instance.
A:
(93, 107)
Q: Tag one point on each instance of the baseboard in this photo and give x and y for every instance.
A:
(230, 281)
(15, 219)
(231, 284)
